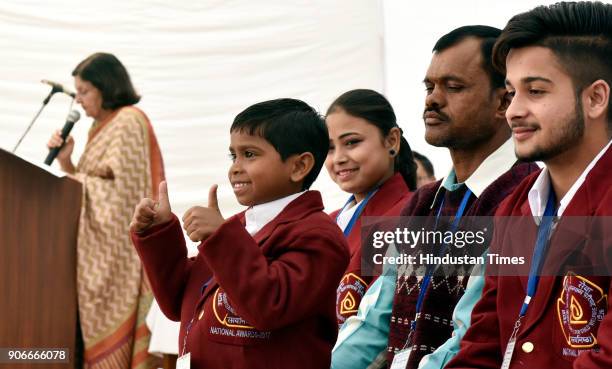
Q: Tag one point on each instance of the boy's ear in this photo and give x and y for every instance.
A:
(302, 165)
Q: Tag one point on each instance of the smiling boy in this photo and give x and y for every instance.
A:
(261, 291)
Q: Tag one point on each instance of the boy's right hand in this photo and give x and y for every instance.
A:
(149, 213)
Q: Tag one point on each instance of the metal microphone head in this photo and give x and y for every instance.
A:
(57, 87)
(73, 117)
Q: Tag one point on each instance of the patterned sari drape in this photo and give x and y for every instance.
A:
(121, 164)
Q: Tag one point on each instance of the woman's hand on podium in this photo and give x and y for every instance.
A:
(149, 213)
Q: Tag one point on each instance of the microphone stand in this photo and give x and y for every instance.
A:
(45, 102)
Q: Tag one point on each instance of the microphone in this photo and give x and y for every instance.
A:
(58, 87)
(73, 117)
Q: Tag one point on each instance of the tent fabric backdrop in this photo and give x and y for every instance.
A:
(196, 65)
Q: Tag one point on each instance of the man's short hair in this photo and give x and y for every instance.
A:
(488, 35)
(578, 33)
(291, 126)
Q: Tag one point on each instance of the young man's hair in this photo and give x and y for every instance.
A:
(291, 126)
(425, 163)
(488, 35)
(578, 33)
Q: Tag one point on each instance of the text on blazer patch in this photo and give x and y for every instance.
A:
(580, 308)
(349, 294)
(222, 308)
(232, 325)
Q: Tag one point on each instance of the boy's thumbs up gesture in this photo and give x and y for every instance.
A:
(149, 213)
(200, 222)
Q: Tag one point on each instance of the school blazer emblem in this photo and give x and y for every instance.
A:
(580, 308)
(350, 291)
(230, 318)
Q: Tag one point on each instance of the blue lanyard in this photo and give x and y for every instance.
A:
(427, 277)
(460, 211)
(205, 285)
(357, 213)
(539, 252)
(188, 329)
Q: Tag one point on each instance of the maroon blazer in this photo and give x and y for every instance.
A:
(271, 300)
(389, 200)
(548, 338)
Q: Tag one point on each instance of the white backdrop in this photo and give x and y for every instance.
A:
(411, 30)
(196, 64)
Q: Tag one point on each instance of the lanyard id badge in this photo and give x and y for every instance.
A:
(539, 254)
(184, 362)
(511, 344)
(400, 360)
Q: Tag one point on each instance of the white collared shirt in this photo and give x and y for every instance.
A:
(496, 164)
(259, 215)
(538, 194)
(346, 213)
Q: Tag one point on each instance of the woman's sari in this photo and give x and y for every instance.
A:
(121, 164)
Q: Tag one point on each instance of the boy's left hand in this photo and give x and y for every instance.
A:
(200, 222)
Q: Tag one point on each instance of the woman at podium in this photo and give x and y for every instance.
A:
(121, 164)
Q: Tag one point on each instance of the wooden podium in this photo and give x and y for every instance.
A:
(39, 215)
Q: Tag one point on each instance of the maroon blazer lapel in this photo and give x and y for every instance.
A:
(383, 202)
(213, 284)
(307, 203)
(583, 204)
(588, 199)
(388, 195)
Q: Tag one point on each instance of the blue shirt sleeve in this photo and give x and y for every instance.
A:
(365, 335)
(461, 321)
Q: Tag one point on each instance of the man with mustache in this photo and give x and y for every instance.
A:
(557, 314)
(464, 111)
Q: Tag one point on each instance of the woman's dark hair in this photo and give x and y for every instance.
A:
(425, 163)
(376, 109)
(108, 75)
